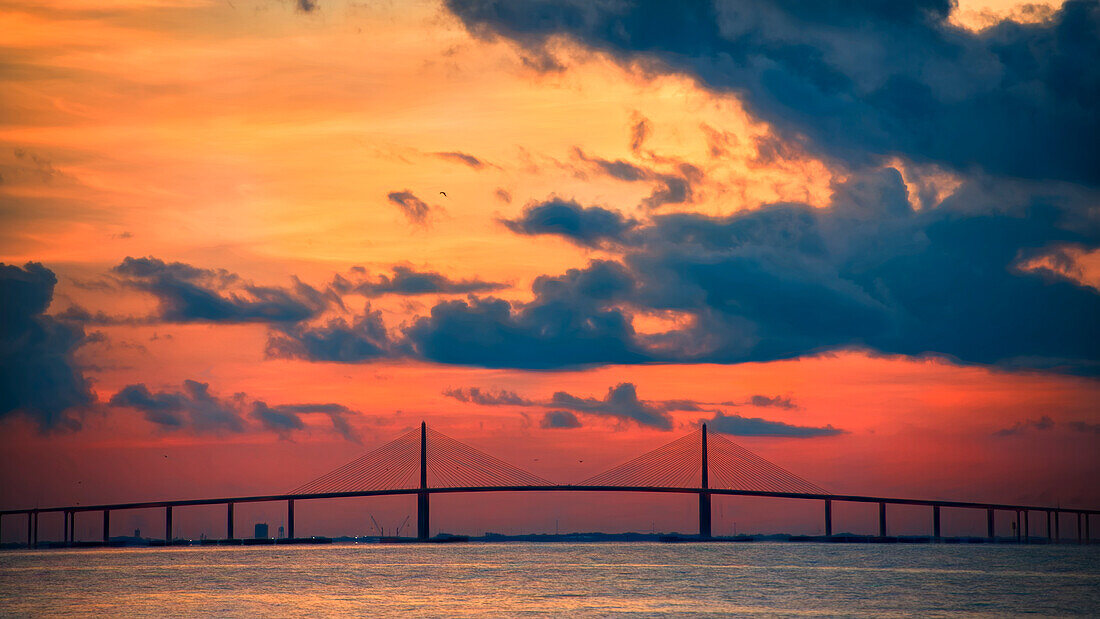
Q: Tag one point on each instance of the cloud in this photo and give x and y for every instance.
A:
(365, 339)
(571, 322)
(776, 401)
(307, 6)
(475, 395)
(620, 402)
(737, 425)
(590, 226)
(503, 195)
(1043, 423)
(192, 408)
(462, 158)
(39, 376)
(1014, 100)
(639, 131)
(286, 418)
(559, 420)
(408, 281)
(669, 188)
(191, 294)
(415, 209)
(1081, 426)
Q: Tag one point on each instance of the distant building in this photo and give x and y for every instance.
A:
(261, 530)
(282, 533)
(137, 533)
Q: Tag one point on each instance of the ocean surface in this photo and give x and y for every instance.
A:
(512, 579)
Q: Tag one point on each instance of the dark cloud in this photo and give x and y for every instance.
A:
(475, 395)
(39, 376)
(776, 401)
(408, 281)
(286, 418)
(737, 425)
(191, 294)
(1014, 99)
(868, 272)
(365, 339)
(559, 420)
(194, 409)
(1043, 423)
(639, 131)
(589, 226)
(307, 6)
(621, 402)
(503, 195)
(462, 158)
(668, 188)
(571, 322)
(415, 209)
(1081, 426)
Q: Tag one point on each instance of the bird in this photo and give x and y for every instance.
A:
(443, 193)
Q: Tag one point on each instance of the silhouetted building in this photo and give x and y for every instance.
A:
(282, 533)
(261, 530)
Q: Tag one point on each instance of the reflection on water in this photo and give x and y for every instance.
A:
(575, 579)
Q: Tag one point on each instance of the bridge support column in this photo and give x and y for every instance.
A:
(936, 521)
(1079, 538)
(704, 497)
(989, 532)
(1018, 532)
(168, 524)
(423, 530)
(34, 544)
(1088, 538)
(1057, 526)
(1050, 536)
(1027, 528)
(30, 526)
(290, 518)
(106, 526)
(882, 519)
(828, 518)
(229, 521)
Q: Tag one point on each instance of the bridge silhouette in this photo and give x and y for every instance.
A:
(424, 462)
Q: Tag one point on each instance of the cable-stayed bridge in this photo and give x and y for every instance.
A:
(424, 462)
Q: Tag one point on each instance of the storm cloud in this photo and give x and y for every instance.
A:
(39, 376)
(192, 294)
(1014, 99)
(588, 226)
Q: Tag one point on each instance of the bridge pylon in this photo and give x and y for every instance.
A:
(704, 496)
(422, 515)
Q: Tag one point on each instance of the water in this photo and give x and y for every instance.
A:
(555, 579)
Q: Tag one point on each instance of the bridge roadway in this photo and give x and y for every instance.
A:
(704, 493)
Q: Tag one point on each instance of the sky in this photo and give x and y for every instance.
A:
(244, 242)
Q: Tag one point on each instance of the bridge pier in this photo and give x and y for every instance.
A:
(989, 532)
(290, 518)
(936, 521)
(1018, 533)
(828, 518)
(1027, 528)
(423, 530)
(1079, 538)
(35, 544)
(168, 524)
(882, 519)
(1088, 538)
(106, 526)
(229, 521)
(1057, 526)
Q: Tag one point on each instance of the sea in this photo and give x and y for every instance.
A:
(556, 579)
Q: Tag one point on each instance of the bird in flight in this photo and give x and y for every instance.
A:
(443, 193)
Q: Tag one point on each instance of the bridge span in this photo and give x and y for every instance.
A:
(739, 472)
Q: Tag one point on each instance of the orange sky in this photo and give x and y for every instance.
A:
(252, 137)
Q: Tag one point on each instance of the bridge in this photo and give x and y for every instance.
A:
(424, 462)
